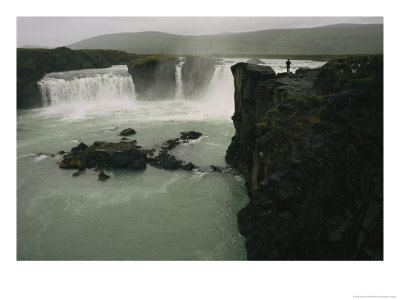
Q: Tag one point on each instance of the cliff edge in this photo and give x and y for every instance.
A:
(310, 146)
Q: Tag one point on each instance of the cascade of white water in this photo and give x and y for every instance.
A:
(75, 87)
(178, 78)
(220, 93)
(221, 84)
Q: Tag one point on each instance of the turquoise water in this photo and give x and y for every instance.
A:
(135, 215)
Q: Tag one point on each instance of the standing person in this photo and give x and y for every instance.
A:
(288, 65)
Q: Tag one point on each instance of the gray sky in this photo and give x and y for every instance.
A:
(60, 31)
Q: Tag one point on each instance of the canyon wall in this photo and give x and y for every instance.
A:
(310, 146)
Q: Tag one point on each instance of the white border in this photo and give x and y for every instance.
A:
(197, 280)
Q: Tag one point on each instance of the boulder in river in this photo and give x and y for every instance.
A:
(127, 132)
(103, 176)
(105, 155)
(190, 135)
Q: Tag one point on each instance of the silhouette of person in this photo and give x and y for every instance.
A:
(288, 65)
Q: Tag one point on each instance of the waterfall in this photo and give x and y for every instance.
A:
(178, 78)
(86, 85)
(220, 94)
(221, 84)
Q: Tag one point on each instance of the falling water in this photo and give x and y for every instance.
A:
(178, 78)
(72, 87)
(220, 94)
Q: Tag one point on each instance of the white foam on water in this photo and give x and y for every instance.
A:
(40, 157)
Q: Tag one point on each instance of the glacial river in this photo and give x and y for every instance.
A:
(135, 215)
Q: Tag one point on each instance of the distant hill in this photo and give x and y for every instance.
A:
(333, 39)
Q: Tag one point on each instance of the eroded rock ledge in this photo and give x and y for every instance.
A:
(310, 146)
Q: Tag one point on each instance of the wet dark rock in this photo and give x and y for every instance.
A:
(215, 169)
(306, 72)
(190, 135)
(131, 159)
(61, 152)
(79, 148)
(77, 173)
(170, 144)
(124, 139)
(310, 146)
(98, 143)
(127, 132)
(103, 176)
(286, 75)
(168, 162)
(52, 155)
(126, 154)
(105, 155)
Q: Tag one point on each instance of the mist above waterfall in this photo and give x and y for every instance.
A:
(79, 94)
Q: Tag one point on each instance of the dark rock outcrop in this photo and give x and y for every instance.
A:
(77, 173)
(197, 73)
(310, 146)
(105, 155)
(154, 76)
(103, 176)
(164, 160)
(127, 132)
(126, 154)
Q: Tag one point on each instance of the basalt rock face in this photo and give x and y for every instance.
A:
(310, 146)
(197, 73)
(154, 76)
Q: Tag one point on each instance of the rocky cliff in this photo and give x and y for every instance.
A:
(310, 146)
(154, 76)
(33, 64)
(197, 73)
